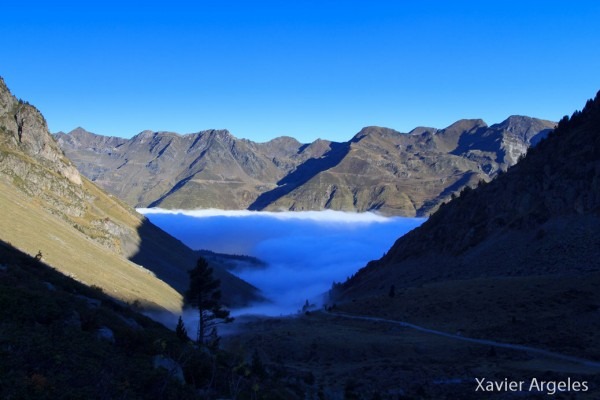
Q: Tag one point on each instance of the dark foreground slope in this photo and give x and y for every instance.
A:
(60, 339)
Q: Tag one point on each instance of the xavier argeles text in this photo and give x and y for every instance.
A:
(531, 385)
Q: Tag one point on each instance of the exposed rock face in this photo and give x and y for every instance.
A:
(379, 169)
(24, 129)
(24, 138)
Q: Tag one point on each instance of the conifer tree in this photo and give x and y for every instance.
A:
(205, 296)
(180, 331)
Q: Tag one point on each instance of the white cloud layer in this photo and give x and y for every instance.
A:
(320, 216)
(305, 251)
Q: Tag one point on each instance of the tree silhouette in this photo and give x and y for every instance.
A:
(180, 331)
(204, 295)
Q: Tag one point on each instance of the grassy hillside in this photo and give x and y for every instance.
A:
(81, 230)
(540, 217)
(514, 262)
(32, 229)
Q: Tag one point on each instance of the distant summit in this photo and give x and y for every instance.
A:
(379, 169)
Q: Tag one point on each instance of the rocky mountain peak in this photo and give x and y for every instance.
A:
(23, 128)
(79, 131)
(221, 135)
(525, 127)
(285, 140)
(419, 130)
(144, 136)
(466, 125)
(374, 131)
(81, 138)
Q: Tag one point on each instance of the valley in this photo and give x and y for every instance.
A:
(498, 284)
(300, 200)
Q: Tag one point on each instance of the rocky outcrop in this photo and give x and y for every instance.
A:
(31, 159)
(24, 129)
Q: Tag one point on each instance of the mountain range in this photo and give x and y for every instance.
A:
(379, 169)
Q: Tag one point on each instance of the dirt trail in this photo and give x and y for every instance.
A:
(519, 347)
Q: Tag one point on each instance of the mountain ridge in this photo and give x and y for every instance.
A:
(378, 169)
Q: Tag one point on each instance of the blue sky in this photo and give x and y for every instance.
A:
(306, 69)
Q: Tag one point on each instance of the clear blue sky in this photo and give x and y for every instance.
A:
(307, 69)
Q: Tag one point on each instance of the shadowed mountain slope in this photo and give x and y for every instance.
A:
(379, 169)
(61, 339)
(557, 182)
(48, 207)
(515, 259)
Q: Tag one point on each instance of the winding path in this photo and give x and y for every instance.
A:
(520, 347)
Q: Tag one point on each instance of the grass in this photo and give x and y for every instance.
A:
(555, 312)
(32, 229)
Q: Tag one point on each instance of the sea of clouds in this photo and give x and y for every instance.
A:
(305, 252)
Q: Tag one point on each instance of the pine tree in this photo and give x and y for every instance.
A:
(180, 331)
(204, 295)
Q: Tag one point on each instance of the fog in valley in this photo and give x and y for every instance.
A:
(304, 252)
